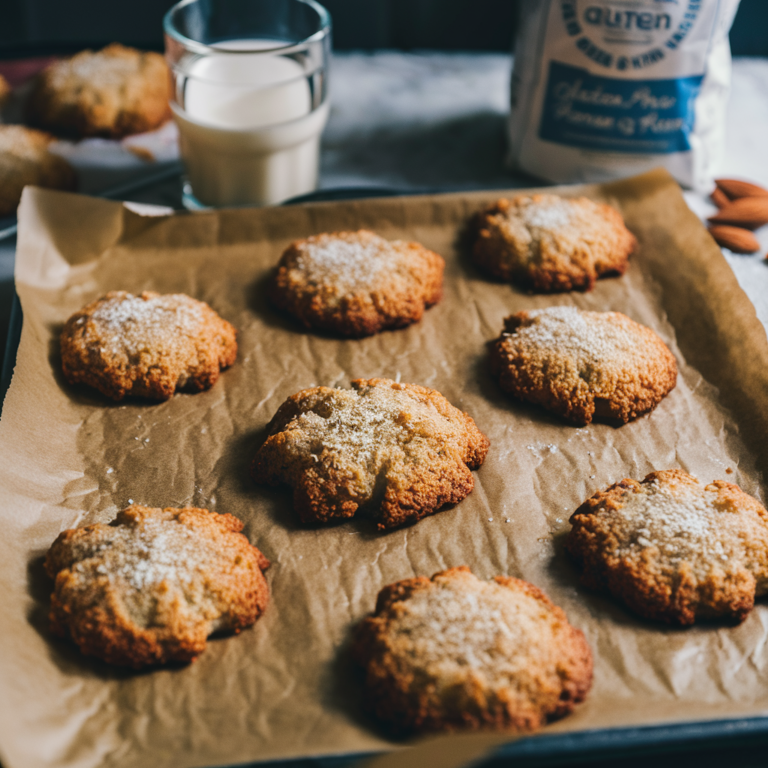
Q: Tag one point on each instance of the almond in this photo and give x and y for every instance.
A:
(735, 239)
(747, 212)
(735, 188)
(719, 198)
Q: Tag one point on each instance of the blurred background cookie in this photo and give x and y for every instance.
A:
(582, 365)
(399, 452)
(152, 586)
(549, 243)
(25, 159)
(112, 93)
(357, 283)
(148, 345)
(456, 653)
(673, 549)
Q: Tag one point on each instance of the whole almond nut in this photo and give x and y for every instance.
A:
(719, 198)
(747, 212)
(735, 188)
(735, 239)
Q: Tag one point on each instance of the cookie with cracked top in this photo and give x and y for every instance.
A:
(150, 587)
(112, 93)
(582, 365)
(398, 451)
(357, 283)
(457, 653)
(548, 243)
(25, 158)
(149, 345)
(672, 549)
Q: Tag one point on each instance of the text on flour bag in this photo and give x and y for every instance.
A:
(602, 90)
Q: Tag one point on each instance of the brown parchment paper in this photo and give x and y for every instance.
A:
(285, 687)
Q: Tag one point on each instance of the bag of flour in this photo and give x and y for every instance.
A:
(607, 89)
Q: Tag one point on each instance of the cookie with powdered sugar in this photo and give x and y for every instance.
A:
(357, 283)
(673, 549)
(398, 451)
(149, 345)
(549, 243)
(457, 653)
(25, 158)
(112, 93)
(150, 587)
(583, 365)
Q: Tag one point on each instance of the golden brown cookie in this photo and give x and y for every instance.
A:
(582, 365)
(151, 586)
(548, 243)
(112, 93)
(398, 451)
(149, 345)
(25, 159)
(453, 652)
(357, 283)
(672, 549)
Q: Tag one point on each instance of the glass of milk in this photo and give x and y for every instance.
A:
(250, 97)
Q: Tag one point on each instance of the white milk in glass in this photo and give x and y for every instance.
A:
(248, 133)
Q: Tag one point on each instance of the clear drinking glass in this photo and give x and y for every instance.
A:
(250, 97)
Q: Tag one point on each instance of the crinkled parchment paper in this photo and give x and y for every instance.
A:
(286, 687)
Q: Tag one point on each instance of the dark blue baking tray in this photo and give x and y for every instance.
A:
(722, 743)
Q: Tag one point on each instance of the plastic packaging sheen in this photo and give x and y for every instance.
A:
(602, 90)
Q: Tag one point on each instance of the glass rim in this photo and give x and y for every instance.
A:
(196, 46)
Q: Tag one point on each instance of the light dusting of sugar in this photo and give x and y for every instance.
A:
(549, 212)
(358, 424)
(134, 324)
(538, 448)
(350, 262)
(592, 338)
(683, 524)
(98, 70)
(454, 632)
(143, 557)
(161, 555)
(363, 432)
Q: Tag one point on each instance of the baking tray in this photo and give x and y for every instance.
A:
(546, 749)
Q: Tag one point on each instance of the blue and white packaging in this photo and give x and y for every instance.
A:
(602, 90)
